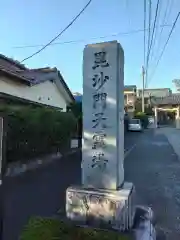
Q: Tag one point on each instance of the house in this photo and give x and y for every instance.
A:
(167, 109)
(130, 97)
(154, 92)
(43, 86)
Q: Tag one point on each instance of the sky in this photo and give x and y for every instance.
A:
(27, 23)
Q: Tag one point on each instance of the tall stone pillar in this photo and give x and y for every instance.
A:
(178, 118)
(1, 146)
(103, 116)
(156, 117)
(103, 195)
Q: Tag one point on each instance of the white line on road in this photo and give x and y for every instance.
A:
(129, 150)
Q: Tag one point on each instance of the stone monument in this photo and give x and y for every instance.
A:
(178, 117)
(103, 199)
(1, 147)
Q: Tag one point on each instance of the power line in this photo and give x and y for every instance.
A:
(149, 34)
(150, 47)
(143, 72)
(155, 33)
(93, 38)
(170, 9)
(168, 6)
(144, 32)
(69, 25)
(165, 45)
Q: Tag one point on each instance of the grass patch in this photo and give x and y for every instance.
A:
(52, 229)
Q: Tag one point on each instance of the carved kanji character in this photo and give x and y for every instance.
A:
(99, 161)
(99, 97)
(99, 119)
(98, 139)
(99, 80)
(100, 60)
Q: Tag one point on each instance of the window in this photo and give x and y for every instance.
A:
(135, 121)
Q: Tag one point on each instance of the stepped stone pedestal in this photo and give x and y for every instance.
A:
(103, 199)
(101, 208)
(178, 118)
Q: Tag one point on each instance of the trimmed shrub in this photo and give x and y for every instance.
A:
(52, 229)
(143, 117)
(36, 131)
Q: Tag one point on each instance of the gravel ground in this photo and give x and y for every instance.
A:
(154, 168)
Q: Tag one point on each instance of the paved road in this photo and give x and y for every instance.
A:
(154, 168)
(42, 192)
(131, 139)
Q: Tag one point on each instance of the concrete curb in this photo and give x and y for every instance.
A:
(20, 168)
(144, 229)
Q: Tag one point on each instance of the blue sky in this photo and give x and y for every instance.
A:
(34, 22)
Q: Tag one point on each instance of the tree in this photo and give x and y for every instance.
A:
(148, 106)
(177, 84)
(76, 109)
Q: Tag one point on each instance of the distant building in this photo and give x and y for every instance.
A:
(129, 98)
(77, 97)
(130, 95)
(156, 92)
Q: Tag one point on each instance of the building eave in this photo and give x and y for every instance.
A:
(13, 62)
(14, 75)
(66, 87)
(23, 100)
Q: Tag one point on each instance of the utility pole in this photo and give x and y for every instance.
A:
(143, 77)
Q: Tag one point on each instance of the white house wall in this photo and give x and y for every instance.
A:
(44, 93)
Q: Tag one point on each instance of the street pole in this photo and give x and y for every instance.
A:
(143, 75)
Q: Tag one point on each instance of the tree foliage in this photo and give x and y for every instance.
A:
(76, 110)
(35, 131)
(143, 117)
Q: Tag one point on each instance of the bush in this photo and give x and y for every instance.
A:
(35, 131)
(143, 117)
(52, 229)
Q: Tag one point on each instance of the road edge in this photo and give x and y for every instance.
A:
(20, 168)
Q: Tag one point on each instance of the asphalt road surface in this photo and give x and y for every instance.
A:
(42, 192)
(154, 169)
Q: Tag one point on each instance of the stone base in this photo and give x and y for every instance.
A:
(102, 208)
(178, 123)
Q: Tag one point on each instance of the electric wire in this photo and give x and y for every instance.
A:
(168, 6)
(165, 45)
(152, 36)
(144, 32)
(69, 25)
(148, 44)
(93, 38)
(155, 33)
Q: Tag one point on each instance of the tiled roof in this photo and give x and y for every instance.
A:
(14, 73)
(129, 87)
(154, 89)
(30, 76)
(173, 99)
(10, 63)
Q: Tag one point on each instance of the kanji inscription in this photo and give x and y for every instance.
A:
(100, 60)
(99, 105)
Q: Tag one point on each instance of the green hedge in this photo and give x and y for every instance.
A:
(32, 132)
(52, 229)
(143, 117)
